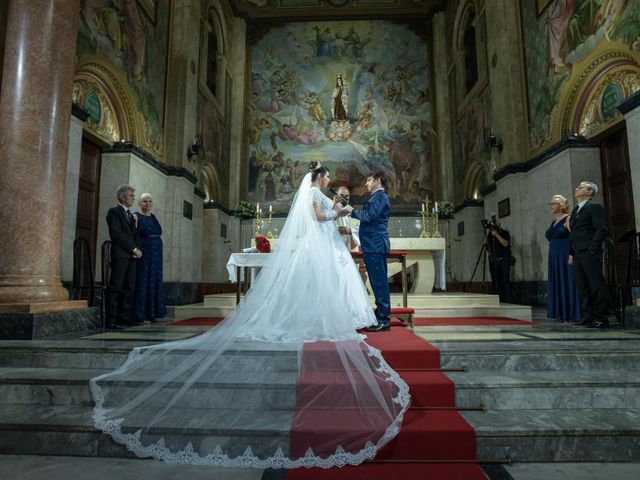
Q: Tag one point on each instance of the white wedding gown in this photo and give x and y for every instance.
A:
(284, 381)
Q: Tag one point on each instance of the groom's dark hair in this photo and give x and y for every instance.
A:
(378, 176)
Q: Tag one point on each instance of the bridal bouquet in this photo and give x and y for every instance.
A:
(263, 245)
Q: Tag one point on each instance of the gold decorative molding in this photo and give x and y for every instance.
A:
(105, 125)
(123, 119)
(601, 65)
(593, 119)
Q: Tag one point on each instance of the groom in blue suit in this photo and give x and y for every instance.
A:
(374, 239)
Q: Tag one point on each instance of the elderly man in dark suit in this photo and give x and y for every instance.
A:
(374, 240)
(588, 230)
(125, 249)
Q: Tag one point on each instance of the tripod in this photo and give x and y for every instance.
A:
(481, 256)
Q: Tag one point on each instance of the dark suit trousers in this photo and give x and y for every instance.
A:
(122, 284)
(376, 264)
(500, 269)
(592, 289)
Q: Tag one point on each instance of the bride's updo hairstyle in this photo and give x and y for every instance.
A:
(316, 169)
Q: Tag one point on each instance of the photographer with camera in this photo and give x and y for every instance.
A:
(497, 241)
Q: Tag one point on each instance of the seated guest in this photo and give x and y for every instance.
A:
(149, 303)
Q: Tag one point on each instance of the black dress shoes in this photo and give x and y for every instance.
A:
(381, 327)
(113, 327)
(600, 325)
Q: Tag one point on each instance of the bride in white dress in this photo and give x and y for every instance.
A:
(284, 381)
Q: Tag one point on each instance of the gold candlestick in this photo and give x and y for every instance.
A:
(436, 231)
(258, 224)
(424, 233)
(269, 232)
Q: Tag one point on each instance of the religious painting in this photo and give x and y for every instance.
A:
(149, 7)
(326, 91)
(215, 139)
(133, 35)
(542, 5)
(504, 208)
(556, 42)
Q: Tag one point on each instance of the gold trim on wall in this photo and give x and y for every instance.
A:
(124, 121)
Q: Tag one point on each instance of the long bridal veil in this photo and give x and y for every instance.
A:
(284, 381)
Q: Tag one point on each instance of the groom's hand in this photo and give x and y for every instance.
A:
(342, 212)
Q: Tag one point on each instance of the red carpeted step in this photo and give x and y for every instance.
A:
(402, 349)
(425, 434)
(197, 321)
(469, 321)
(336, 388)
(432, 435)
(430, 389)
(388, 471)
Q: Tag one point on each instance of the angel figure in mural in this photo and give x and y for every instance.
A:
(313, 107)
(339, 99)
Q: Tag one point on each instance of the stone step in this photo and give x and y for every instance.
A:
(69, 430)
(594, 435)
(232, 389)
(96, 355)
(554, 355)
(556, 390)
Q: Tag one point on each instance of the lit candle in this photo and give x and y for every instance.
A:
(269, 208)
(435, 209)
(257, 206)
(423, 206)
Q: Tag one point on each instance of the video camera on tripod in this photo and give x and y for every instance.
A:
(490, 225)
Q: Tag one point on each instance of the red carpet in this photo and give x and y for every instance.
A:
(434, 443)
(466, 321)
(197, 321)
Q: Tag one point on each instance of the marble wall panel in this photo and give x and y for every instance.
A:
(74, 153)
(632, 120)
(181, 236)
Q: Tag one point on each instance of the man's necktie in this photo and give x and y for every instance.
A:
(131, 222)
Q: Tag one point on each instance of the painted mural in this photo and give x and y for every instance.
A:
(558, 35)
(353, 95)
(133, 36)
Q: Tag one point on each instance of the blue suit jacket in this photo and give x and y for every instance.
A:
(374, 222)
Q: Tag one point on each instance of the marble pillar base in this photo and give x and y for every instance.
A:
(42, 307)
(632, 318)
(37, 325)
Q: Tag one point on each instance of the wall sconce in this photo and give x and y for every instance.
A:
(196, 147)
(492, 141)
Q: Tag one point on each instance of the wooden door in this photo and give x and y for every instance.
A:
(88, 195)
(618, 195)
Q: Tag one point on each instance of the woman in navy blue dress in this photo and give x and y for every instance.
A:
(562, 296)
(149, 298)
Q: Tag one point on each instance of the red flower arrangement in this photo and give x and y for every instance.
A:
(263, 245)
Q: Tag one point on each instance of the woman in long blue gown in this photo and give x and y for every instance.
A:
(149, 301)
(562, 296)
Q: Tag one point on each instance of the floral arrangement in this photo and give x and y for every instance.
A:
(245, 210)
(263, 245)
(446, 210)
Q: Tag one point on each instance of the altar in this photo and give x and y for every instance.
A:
(424, 255)
(420, 256)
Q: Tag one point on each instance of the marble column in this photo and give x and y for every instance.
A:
(35, 106)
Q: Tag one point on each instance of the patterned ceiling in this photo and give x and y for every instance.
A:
(264, 10)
